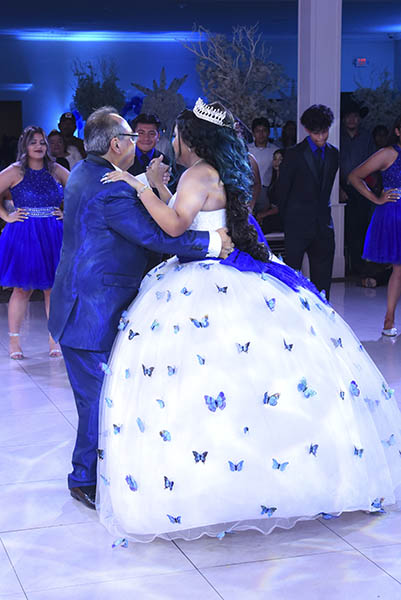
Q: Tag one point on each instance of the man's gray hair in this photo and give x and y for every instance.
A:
(101, 127)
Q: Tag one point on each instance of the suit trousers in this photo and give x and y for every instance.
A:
(319, 247)
(86, 379)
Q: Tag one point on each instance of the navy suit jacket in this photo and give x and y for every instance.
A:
(107, 235)
(304, 199)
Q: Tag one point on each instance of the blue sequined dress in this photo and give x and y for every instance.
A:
(383, 238)
(30, 249)
(237, 399)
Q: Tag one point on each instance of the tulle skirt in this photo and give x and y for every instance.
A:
(383, 238)
(233, 402)
(30, 252)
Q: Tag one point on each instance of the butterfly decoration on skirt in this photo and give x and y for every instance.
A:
(132, 484)
(202, 324)
(168, 485)
(140, 424)
(201, 360)
(303, 387)
(222, 290)
(132, 334)
(123, 542)
(387, 392)
(174, 519)
(155, 325)
(243, 347)
(390, 441)
(105, 368)
(354, 389)
(200, 456)
(123, 322)
(171, 370)
(288, 347)
(186, 292)
(337, 342)
(236, 466)
(358, 451)
(271, 303)
(279, 466)
(116, 428)
(109, 402)
(214, 403)
(267, 510)
(165, 435)
(272, 399)
(313, 449)
(147, 370)
(304, 302)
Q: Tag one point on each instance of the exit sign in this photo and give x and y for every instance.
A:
(360, 62)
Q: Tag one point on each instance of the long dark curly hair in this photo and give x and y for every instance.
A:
(23, 142)
(220, 146)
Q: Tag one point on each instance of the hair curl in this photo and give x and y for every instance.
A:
(23, 143)
(222, 149)
(317, 118)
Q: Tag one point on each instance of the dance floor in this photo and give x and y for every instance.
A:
(53, 548)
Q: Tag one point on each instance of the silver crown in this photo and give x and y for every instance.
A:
(208, 113)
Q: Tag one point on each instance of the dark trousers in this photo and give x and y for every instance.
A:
(358, 213)
(320, 250)
(86, 379)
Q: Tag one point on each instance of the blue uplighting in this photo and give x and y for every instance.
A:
(15, 87)
(63, 35)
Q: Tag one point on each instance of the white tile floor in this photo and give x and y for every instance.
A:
(51, 547)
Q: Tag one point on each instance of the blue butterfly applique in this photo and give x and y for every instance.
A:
(304, 302)
(272, 399)
(200, 456)
(354, 389)
(378, 505)
(147, 370)
(100, 453)
(161, 403)
(176, 328)
(313, 449)
(155, 325)
(358, 451)
(132, 334)
(123, 322)
(313, 332)
(390, 441)
(337, 342)
(214, 403)
(271, 303)
(159, 295)
(342, 395)
(288, 347)
(105, 480)
(303, 387)
(159, 276)
(328, 516)
(127, 374)
(223, 534)
(372, 403)
(279, 466)
(174, 519)
(387, 392)
(168, 485)
(109, 402)
(201, 360)
(186, 292)
(140, 424)
(171, 370)
(132, 484)
(105, 368)
(202, 324)
(246, 430)
(123, 542)
(178, 267)
(165, 435)
(205, 266)
(264, 276)
(332, 316)
(222, 290)
(267, 510)
(116, 429)
(243, 347)
(236, 467)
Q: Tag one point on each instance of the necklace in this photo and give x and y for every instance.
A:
(196, 163)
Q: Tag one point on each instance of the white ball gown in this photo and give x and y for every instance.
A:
(232, 402)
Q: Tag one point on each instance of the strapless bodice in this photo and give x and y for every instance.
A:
(206, 220)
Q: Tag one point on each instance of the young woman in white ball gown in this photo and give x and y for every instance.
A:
(235, 397)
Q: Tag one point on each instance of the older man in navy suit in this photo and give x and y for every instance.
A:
(107, 236)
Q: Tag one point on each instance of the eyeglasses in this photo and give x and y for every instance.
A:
(133, 136)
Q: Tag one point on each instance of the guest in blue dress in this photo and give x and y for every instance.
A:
(383, 237)
(31, 240)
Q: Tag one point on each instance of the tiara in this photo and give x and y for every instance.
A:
(208, 113)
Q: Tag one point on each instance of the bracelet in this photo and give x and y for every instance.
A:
(145, 187)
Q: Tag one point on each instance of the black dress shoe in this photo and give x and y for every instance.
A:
(85, 494)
